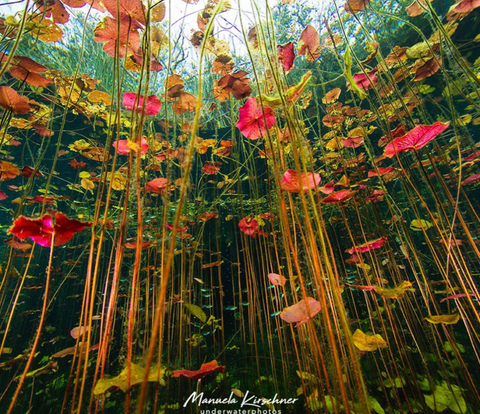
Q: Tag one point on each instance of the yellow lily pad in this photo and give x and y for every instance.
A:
(396, 292)
(368, 343)
(443, 319)
(137, 374)
(419, 225)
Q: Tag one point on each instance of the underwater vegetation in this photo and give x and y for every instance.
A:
(267, 206)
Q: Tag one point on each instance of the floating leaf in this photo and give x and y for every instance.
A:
(87, 184)
(415, 139)
(286, 55)
(309, 44)
(52, 366)
(306, 376)
(128, 37)
(299, 313)
(12, 101)
(132, 102)
(396, 292)
(204, 370)
(8, 171)
(354, 6)
(367, 246)
(465, 6)
(276, 279)
(41, 230)
(137, 373)
(331, 96)
(398, 382)
(368, 343)
(443, 319)
(254, 121)
(419, 225)
(249, 226)
(296, 183)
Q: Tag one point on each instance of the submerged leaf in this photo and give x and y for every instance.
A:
(12, 101)
(137, 373)
(204, 370)
(296, 183)
(276, 279)
(419, 225)
(415, 139)
(254, 121)
(368, 343)
(396, 292)
(298, 313)
(446, 396)
(443, 319)
(196, 311)
(309, 44)
(41, 230)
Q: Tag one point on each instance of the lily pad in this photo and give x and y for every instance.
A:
(196, 311)
(396, 292)
(368, 343)
(419, 225)
(137, 374)
(447, 397)
(443, 319)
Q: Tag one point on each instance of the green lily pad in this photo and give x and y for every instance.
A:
(446, 397)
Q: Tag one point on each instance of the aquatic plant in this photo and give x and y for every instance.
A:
(285, 189)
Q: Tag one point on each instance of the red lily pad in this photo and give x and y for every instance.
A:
(28, 70)
(381, 171)
(157, 185)
(41, 230)
(54, 8)
(276, 279)
(211, 168)
(353, 142)
(123, 147)
(465, 6)
(237, 83)
(309, 44)
(132, 12)
(365, 81)
(472, 179)
(338, 197)
(395, 133)
(415, 139)
(328, 188)
(204, 370)
(286, 55)
(295, 183)
(133, 103)
(128, 36)
(249, 226)
(12, 101)
(298, 313)
(254, 122)
(376, 196)
(369, 245)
